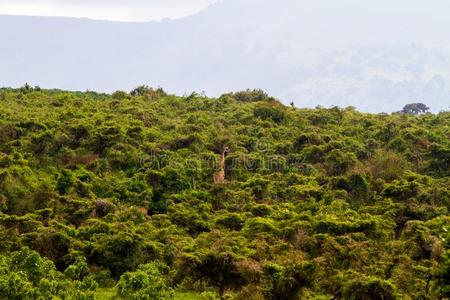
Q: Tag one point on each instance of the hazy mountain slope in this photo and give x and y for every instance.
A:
(376, 57)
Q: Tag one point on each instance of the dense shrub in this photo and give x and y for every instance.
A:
(316, 203)
(386, 165)
(287, 282)
(26, 275)
(369, 288)
(145, 283)
(270, 112)
(219, 269)
(337, 162)
(443, 274)
(231, 221)
(250, 95)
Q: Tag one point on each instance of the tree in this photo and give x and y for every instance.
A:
(338, 162)
(270, 112)
(145, 283)
(439, 160)
(415, 109)
(26, 275)
(120, 95)
(369, 288)
(144, 90)
(141, 90)
(286, 283)
(250, 95)
(119, 252)
(65, 182)
(443, 274)
(218, 269)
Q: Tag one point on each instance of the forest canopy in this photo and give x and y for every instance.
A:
(116, 196)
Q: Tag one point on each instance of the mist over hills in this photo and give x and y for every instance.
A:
(376, 57)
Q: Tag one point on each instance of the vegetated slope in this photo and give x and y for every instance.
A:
(317, 203)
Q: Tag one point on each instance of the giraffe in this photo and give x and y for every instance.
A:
(219, 176)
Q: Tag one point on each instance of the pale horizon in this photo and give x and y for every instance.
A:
(118, 11)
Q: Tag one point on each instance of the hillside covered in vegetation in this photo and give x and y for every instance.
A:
(119, 195)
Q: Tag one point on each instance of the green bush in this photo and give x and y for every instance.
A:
(338, 162)
(231, 221)
(250, 95)
(287, 282)
(318, 203)
(26, 275)
(270, 112)
(369, 288)
(258, 225)
(144, 283)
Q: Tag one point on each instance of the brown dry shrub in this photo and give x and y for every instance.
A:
(386, 165)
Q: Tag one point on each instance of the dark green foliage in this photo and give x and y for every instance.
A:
(231, 221)
(356, 185)
(338, 163)
(369, 288)
(146, 91)
(443, 274)
(272, 112)
(286, 283)
(218, 269)
(65, 182)
(439, 160)
(317, 203)
(119, 252)
(249, 96)
(307, 139)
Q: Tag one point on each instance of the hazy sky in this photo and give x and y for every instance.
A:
(117, 10)
(375, 55)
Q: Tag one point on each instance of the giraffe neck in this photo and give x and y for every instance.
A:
(222, 161)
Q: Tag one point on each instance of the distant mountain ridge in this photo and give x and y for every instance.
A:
(376, 57)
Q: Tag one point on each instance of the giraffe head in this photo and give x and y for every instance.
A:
(226, 150)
